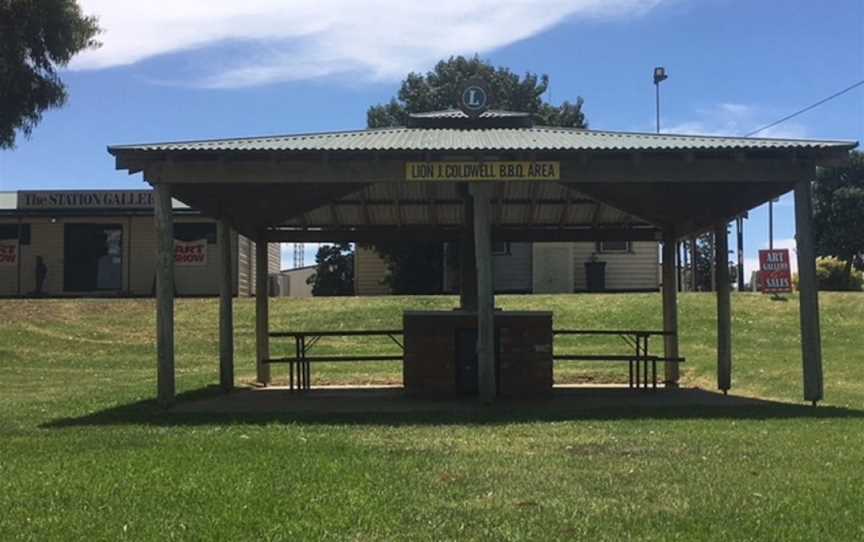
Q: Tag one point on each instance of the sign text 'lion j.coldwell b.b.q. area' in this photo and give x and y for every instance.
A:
(483, 171)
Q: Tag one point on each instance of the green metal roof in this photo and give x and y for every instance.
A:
(486, 139)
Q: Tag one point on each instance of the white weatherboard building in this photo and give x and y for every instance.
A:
(103, 243)
(630, 266)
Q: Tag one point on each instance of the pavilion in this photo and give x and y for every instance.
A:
(480, 175)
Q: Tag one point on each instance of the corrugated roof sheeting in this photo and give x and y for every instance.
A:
(524, 203)
(512, 139)
(459, 114)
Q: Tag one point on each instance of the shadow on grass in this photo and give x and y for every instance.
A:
(391, 407)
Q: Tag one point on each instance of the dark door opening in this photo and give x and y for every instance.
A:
(93, 257)
(466, 361)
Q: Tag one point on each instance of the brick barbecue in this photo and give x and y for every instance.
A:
(441, 361)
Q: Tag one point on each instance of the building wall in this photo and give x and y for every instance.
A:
(188, 280)
(369, 271)
(139, 248)
(246, 265)
(632, 270)
(512, 270)
(47, 239)
(9, 273)
(553, 268)
(294, 282)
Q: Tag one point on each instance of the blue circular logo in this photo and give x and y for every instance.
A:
(474, 98)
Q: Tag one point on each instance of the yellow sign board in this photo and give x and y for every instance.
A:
(483, 171)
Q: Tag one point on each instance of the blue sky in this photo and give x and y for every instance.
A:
(209, 69)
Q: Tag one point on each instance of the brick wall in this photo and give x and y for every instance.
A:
(524, 352)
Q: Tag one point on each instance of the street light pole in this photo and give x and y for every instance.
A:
(771, 224)
(739, 228)
(659, 77)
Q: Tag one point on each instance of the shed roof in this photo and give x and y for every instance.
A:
(487, 139)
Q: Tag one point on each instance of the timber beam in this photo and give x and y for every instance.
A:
(648, 169)
(455, 233)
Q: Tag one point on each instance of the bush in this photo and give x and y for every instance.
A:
(831, 276)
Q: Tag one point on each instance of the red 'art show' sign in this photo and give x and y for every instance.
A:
(190, 253)
(8, 253)
(775, 272)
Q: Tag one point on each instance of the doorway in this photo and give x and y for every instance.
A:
(93, 257)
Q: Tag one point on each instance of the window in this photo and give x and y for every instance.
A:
(613, 246)
(501, 248)
(192, 231)
(10, 231)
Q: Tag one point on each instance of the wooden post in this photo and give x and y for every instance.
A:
(670, 308)
(226, 308)
(485, 293)
(164, 217)
(724, 309)
(712, 269)
(811, 340)
(467, 263)
(694, 252)
(262, 312)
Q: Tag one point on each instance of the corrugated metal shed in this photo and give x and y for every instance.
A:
(487, 139)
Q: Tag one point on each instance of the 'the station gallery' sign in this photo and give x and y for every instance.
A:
(86, 199)
(483, 171)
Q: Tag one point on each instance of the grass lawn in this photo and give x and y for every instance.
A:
(85, 454)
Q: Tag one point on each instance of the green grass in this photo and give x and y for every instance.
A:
(84, 453)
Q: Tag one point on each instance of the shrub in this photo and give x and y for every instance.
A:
(831, 276)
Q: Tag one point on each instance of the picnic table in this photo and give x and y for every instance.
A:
(638, 361)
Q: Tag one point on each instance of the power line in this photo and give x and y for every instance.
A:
(808, 108)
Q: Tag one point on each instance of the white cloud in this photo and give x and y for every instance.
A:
(282, 40)
(733, 119)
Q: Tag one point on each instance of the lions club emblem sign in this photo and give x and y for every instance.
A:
(475, 97)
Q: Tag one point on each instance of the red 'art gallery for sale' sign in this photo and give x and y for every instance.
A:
(8, 253)
(775, 273)
(190, 253)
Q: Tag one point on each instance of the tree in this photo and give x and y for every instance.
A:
(838, 212)
(705, 263)
(36, 38)
(334, 271)
(414, 268)
(439, 89)
(413, 265)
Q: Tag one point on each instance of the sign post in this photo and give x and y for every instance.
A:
(775, 273)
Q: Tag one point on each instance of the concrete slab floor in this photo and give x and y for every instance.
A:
(392, 399)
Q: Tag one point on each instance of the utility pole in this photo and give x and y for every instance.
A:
(771, 224)
(739, 229)
(299, 255)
